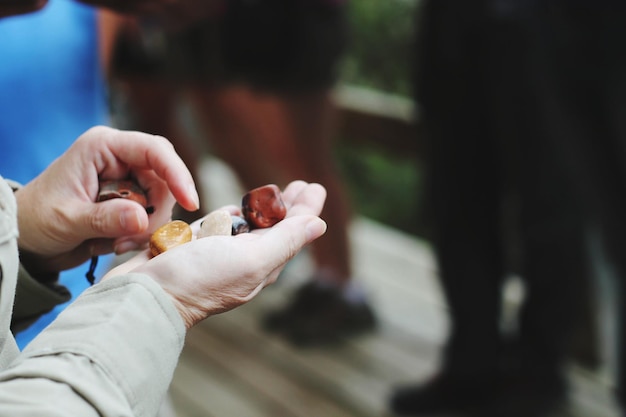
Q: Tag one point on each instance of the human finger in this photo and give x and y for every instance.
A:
(292, 190)
(135, 151)
(307, 199)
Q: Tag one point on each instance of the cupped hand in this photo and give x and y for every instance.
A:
(218, 273)
(61, 224)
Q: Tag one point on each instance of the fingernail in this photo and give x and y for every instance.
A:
(314, 229)
(194, 195)
(130, 220)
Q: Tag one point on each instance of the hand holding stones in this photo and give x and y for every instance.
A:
(261, 207)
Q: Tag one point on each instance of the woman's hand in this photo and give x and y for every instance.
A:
(218, 273)
(60, 223)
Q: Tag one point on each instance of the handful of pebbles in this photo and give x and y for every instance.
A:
(261, 207)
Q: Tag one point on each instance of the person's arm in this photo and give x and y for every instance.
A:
(35, 295)
(92, 347)
(112, 352)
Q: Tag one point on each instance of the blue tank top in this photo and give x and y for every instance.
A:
(52, 90)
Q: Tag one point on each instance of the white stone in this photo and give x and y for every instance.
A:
(216, 223)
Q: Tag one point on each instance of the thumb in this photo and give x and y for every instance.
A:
(115, 218)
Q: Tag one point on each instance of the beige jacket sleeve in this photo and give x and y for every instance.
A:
(111, 353)
(33, 296)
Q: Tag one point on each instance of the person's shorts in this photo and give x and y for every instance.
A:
(282, 45)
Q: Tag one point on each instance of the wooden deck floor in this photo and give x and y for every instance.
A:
(231, 368)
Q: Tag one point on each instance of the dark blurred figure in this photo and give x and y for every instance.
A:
(259, 76)
(523, 101)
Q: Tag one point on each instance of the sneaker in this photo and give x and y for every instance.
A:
(320, 315)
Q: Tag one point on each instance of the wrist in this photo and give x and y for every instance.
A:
(187, 313)
(36, 226)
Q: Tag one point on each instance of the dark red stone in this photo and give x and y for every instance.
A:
(263, 206)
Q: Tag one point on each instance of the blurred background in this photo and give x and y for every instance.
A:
(382, 39)
(375, 146)
(232, 366)
(351, 320)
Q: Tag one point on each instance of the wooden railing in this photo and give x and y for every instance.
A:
(378, 119)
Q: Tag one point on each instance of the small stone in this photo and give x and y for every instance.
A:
(122, 189)
(217, 223)
(169, 235)
(240, 225)
(263, 206)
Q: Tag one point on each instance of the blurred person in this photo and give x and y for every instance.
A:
(113, 351)
(53, 60)
(259, 77)
(52, 57)
(511, 94)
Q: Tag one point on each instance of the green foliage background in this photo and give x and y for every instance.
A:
(379, 54)
(383, 187)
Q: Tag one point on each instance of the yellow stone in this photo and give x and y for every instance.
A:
(169, 235)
